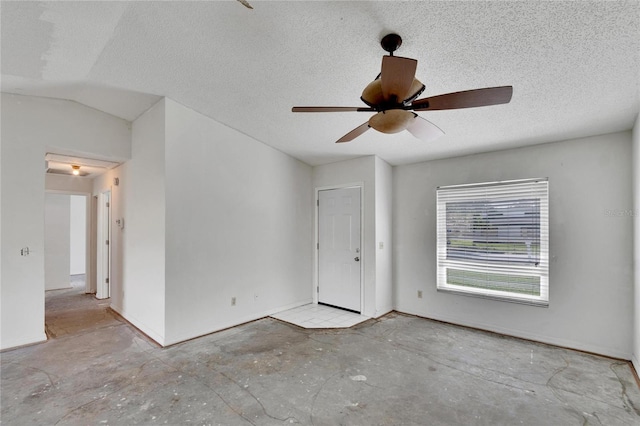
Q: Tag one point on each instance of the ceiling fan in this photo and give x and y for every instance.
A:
(393, 97)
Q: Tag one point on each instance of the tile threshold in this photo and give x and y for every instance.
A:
(320, 316)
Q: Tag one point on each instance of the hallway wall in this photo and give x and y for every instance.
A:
(138, 245)
(31, 127)
(77, 234)
(57, 241)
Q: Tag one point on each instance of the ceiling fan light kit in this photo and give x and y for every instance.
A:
(391, 121)
(393, 96)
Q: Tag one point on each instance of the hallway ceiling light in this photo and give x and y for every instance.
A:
(85, 167)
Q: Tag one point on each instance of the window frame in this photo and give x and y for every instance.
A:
(490, 191)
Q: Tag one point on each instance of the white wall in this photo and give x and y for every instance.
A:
(636, 242)
(357, 171)
(375, 177)
(138, 249)
(68, 184)
(591, 291)
(384, 253)
(238, 224)
(30, 128)
(57, 241)
(77, 234)
(1, 240)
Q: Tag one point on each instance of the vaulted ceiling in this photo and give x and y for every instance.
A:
(574, 66)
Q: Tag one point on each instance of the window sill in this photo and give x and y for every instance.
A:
(538, 303)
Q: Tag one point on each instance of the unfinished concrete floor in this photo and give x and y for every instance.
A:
(71, 311)
(398, 370)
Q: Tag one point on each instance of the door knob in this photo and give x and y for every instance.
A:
(357, 259)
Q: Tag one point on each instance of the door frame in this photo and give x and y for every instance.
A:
(316, 232)
(103, 290)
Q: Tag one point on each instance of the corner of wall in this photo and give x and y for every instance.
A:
(635, 140)
(383, 236)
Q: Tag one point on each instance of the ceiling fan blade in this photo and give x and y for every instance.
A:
(397, 77)
(466, 99)
(329, 109)
(246, 4)
(354, 133)
(424, 130)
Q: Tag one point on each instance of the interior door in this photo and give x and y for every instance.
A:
(339, 248)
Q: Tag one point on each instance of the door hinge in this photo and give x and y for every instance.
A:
(107, 204)
(107, 242)
(106, 280)
(318, 246)
(318, 203)
(318, 289)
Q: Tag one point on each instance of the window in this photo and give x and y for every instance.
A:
(493, 240)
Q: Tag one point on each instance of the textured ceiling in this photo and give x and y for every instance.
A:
(574, 66)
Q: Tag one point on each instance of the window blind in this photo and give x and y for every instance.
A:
(493, 240)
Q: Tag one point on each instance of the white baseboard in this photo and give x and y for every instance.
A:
(58, 288)
(565, 343)
(383, 311)
(153, 335)
(234, 322)
(289, 306)
(24, 341)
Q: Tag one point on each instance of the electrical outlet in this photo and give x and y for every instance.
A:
(419, 294)
(233, 301)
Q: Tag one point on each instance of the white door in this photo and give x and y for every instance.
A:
(339, 248)
(104, 246)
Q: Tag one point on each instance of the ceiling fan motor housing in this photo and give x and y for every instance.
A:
(372, 94)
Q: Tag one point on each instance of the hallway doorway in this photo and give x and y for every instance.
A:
(66, 239)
